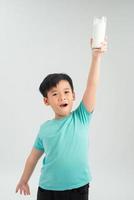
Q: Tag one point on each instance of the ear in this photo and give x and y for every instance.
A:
(45, 100)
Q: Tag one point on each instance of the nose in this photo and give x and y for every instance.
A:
(62, 97)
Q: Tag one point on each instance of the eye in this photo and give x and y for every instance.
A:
(54, 94)
(66, 91)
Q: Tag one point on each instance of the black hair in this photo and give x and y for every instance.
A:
(51, 80)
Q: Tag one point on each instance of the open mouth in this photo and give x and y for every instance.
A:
(64, 105)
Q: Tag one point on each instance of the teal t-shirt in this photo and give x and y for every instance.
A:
(65, 142)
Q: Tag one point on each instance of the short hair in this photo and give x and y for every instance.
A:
(51, 80)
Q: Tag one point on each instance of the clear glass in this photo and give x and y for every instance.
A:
(98, 31)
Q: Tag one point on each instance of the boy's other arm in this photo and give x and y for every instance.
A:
(89, 97)
(28, 170)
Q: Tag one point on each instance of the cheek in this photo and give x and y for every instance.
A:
(72, 97)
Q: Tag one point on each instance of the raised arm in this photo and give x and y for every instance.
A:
(30, 164)
(89, 97)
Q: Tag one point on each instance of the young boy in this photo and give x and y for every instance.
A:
(65, 173)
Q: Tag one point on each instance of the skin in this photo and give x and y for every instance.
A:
(61, 96)
(58, 95)
(89, 97)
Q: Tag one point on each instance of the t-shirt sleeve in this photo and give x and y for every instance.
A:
(38, 144)
(83, 114)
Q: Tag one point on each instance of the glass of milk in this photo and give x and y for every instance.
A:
(98, 31)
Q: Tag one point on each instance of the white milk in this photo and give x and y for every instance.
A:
(99, 29)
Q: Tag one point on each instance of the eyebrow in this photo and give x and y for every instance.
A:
(56, 90)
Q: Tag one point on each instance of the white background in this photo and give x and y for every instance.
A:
(41, 37)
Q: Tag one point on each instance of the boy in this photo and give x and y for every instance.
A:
(65, 173)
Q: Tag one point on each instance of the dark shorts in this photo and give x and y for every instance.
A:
(80, 193)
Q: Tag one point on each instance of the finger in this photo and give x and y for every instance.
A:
(100, 50)
(104, 43)
(103, 49)
(16, 190)
(24, 191)
(20, 191)
(28, 190)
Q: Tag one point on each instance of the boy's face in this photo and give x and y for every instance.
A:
(60, 98)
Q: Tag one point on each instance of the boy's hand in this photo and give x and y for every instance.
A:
(99, 51)
(23, 187)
